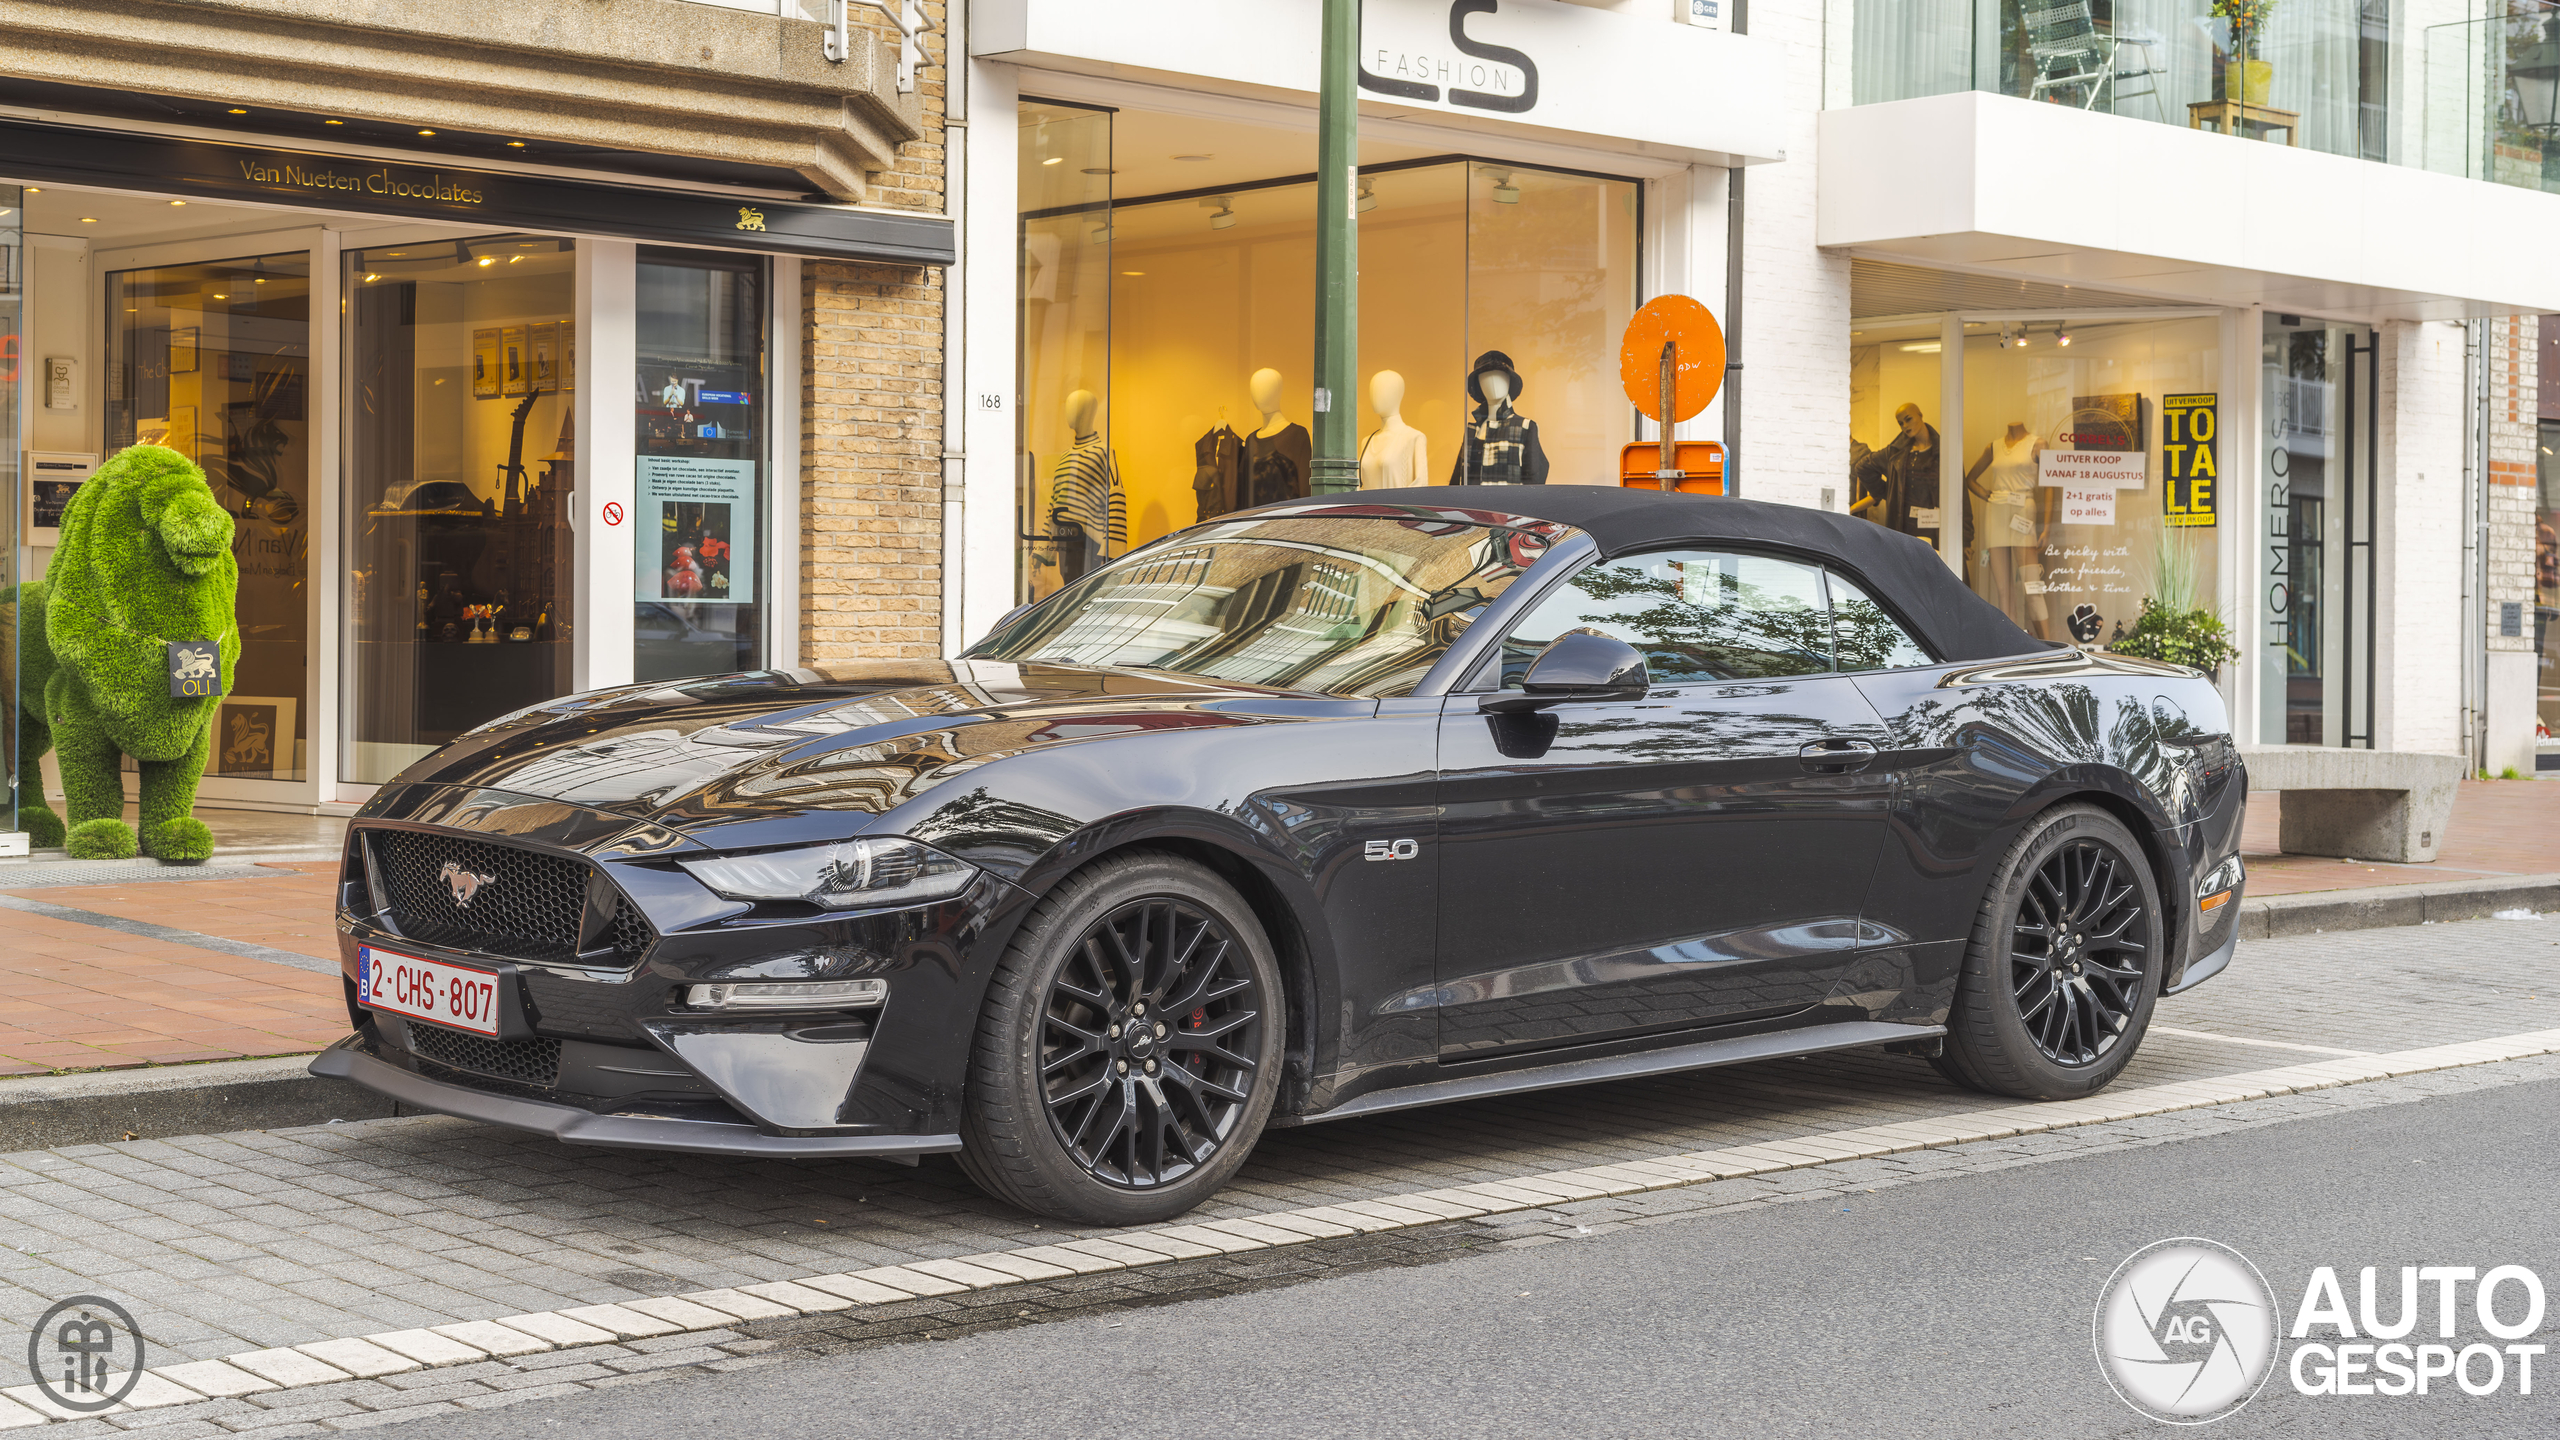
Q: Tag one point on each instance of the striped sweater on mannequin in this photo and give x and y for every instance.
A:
(1084, 492)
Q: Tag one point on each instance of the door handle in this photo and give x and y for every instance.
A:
(1837, 755)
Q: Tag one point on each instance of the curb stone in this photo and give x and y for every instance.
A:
(2435, 902)
(98, 1107)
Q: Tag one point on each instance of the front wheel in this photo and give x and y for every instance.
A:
(1130, 1047)
(2064, 963)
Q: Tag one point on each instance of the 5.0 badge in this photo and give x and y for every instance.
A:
(1390, 849)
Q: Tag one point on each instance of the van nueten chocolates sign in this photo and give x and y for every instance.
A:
(383, 180)
(168, 165)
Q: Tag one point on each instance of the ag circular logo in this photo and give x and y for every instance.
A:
(2186, 1331)
(86, 1353)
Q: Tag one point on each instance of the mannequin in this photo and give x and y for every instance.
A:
(1279, 456)
(1395, 454)
(2015, 512)
(1217, 460)
(1500, 446)
(1898, 485)
(1088, 513)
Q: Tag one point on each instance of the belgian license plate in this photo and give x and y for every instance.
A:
(428, 990)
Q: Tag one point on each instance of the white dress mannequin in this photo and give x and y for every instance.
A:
(1395, 454)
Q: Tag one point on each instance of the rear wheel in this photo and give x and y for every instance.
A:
(2064, 963)
(1130, 1046)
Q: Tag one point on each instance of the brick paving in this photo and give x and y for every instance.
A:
(228, 1243)
(2499, 827)
(702, 1354)
(78, 997)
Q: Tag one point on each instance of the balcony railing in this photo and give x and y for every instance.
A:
(2492, 91)
(2312, 73)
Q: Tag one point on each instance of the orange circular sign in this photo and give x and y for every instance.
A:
(1697, 370)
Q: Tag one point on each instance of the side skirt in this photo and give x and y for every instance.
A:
(1700, 1055)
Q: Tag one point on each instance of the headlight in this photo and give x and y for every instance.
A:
(847, 875)
(2215, 888)
(789, 995)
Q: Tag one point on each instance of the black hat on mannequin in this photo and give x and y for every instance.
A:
(1491, 362)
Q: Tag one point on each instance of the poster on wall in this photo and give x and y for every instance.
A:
(2190, 461)
(250, 733)
(2108, 470)
(545, 343)
(695, 538)
(2107, 422)
(2088, 505)
(484, 364)
(512, 366)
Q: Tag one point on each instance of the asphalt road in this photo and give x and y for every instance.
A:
(1952, 1307)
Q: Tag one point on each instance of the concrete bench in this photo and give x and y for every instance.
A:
(2358, 804)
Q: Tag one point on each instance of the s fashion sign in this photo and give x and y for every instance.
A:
(1559, 67)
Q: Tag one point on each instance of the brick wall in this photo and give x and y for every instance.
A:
(2418, 695)
(871, 421)
(1795, 317)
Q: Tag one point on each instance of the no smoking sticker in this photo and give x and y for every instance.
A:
(612, 512)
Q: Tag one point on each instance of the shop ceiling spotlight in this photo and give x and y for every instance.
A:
(1504, 192)
(1368, 196)
(2061, 336)
(1222, 211)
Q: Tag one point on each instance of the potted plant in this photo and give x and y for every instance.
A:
(2181, 637)
(2245, 78)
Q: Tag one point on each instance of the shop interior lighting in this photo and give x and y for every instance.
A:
(177, 202)
(2061, 335)
(1133, 274)
(1223, 211)
(515, 144)
(236, 110)
(333, 122)
(1368, 196)
(426, 132)
(487, 260)
(1504, 192)
(88, 219)
(1055, 160)
(371, 277)
(1925, 347)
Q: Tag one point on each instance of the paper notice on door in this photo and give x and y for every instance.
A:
(2092, 469)
(2088, 506)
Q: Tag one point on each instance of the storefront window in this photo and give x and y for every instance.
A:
(699, 492)
(2091, 465)
(459, 465)
(2307, 571)
(1168, 339)
(214, 361)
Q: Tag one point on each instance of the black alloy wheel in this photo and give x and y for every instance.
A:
(1129, 1049)
(1148, 1043)
(2064, 963)
(2081, 951)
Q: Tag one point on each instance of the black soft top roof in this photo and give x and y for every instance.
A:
(1909, 576)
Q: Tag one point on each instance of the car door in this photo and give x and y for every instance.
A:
(1695, 857)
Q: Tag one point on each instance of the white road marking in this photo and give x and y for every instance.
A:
(2248, 1040)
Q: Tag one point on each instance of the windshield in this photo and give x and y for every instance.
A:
(1337, 604)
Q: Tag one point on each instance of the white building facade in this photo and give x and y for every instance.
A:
(2234, 324)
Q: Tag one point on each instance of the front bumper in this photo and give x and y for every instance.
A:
(347, 1060)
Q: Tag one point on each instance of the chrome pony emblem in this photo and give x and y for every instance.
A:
(463, 883)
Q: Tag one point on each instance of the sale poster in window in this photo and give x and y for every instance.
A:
(697, 529)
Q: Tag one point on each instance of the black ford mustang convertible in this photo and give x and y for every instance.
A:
(1324, 809)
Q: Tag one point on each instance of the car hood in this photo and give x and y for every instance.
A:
(859, 737)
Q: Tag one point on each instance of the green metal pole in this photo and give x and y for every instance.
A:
(1337, 459)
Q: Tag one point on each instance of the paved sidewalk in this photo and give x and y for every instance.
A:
(2499, 827)
(224, 1244)
(77, 996)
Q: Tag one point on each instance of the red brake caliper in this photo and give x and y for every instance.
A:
(1196, 1060)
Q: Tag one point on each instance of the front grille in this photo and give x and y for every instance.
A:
(495, 898)
(532, 1062)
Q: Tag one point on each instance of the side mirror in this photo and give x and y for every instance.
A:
(1577, 667)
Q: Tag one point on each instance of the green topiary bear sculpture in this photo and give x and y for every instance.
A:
(145, 558)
